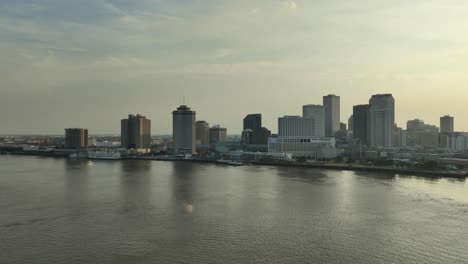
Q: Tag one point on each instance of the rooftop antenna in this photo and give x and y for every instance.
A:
(183, 100)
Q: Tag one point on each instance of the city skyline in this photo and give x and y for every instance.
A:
(235, 132)
(58, 70)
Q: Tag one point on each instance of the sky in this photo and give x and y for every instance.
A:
(90, 63)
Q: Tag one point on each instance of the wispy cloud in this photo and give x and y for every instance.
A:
(290, 4)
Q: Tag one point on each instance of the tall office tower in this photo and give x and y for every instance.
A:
(76, 138)
(218, 134)
(331, 103)
(253, 122)
(202, 133)
(350, 123)
(135, 132)
(296, 126)
(317, 112)
(381, 120)
(183, 125)
(447, 124)
(254, 133)
(361, 124)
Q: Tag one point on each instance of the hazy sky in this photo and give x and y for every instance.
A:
(88, 63)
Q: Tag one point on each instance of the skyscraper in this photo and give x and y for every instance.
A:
(76, 138)
(317, 112)
(253, 122)
(381, 120)
(254, 133)
(183, 125)
(361, 124)
(136, 132)
(447, 124)
(202, 133)
(217, 134)
(331, 103)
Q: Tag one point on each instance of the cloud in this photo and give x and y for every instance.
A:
(55, 45)
(290, 4)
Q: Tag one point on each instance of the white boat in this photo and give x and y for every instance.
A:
(104, 155)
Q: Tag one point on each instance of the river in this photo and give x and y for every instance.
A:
(72, 211)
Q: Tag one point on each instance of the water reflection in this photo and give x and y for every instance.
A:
(302, 174)
(376, 176)
(135, 184)
(183, 185)
(76, 185)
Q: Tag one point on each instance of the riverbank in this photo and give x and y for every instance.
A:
(377, 169)
(324, 166)
(336, 166)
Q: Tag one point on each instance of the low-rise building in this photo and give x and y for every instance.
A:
(313, 147)
(259, 156)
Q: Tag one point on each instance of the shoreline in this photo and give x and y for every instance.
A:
(324, 166)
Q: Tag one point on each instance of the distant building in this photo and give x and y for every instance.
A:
(458, 142)
(331, 105)
(317, 112)
(202, 133)
(350, 123)
(296, 126)
(254, 133)
(256, 137)
(247, 136)
(218, 134)
(312, 147)
(399, 135)
(258, 156)
(361, 124)
(253, 122)
(343, 127)
(136, 132)
(421, 134)
(296, 135)
(381, 120)
(183, 126)
(342, 134)
(403, 138)
(76, 138)
(447, 124)
(416, 124)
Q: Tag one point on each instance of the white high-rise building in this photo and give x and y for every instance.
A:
(296, 126)
(297, 136)
(331, 104)
(381, 120)
(317, 112)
